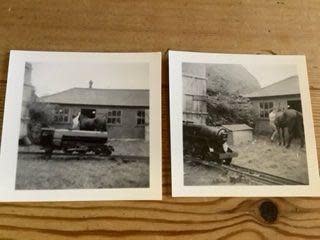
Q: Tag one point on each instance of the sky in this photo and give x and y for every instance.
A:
(50, 78)
(269, 74)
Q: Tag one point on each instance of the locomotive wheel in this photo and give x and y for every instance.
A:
(205, 153)
(219, 161)
(204, 156)
(228, 161)
(97, 151)
(48, 153)
(108, 150)
(191, 149)
(215, 157)
(66, 150)
(82, 152)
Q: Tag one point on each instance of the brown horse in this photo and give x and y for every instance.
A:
(293, 121)
(92, 124)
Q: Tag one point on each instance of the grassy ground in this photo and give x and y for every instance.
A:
(130, 147)
(82, 173)
(87, 172)
(259, 154)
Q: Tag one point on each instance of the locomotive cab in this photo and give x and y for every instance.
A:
(46, 137)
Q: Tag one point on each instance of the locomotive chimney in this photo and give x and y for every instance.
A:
(90, 83)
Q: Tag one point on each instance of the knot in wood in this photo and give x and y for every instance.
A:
(268, 211)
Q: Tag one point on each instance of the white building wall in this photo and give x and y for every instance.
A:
(242, 137)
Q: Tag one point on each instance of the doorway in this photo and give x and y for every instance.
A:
(90, 113)
(295, 104)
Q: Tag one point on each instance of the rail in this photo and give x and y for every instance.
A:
(261, 177)
(61, 154)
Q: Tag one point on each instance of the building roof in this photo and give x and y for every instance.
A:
(104, 97)
(288, 86)
(237, 127)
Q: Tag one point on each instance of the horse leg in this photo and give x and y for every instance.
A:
(301, 135)
(280, 135)
(290, 133)
(284, 136)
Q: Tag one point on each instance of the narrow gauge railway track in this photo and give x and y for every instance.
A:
(257, 176)
(61, 154)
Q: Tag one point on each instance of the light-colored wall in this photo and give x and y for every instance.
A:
(195, 92)
(127, 129)
(279, 102)
(27, 97)
(240, 137)
(262, 125)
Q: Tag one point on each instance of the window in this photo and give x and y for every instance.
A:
(265, 109)
(141, 118)
(61, 115)
(114, 117)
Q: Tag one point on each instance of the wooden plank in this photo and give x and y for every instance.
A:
(239, 26)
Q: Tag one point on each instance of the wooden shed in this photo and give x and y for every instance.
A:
(194, 92)
(239, 134)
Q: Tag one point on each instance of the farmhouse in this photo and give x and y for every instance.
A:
(194, 93)
(127, 111)
(281, 96)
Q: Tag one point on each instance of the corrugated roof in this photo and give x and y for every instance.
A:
(237, 127)
(105, 97)
(288, 86)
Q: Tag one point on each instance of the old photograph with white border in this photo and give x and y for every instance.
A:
(82, 124)
(242, 126)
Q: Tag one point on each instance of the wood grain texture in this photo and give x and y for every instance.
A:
(239, 26)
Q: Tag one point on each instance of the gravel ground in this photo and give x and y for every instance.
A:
(261, 155)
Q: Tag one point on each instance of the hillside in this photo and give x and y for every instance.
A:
(230, 78)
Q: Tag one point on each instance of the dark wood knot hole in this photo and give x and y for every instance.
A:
(268, 211)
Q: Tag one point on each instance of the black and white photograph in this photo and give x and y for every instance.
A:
(88, 124)
(242, 124)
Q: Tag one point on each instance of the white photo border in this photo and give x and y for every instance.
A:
(176, 58)
(11, 128)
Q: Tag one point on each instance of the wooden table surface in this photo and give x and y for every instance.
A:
(240, 26)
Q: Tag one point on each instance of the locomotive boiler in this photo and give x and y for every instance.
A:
(207, 143)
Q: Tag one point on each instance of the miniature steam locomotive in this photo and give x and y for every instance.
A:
(78, 141)
(207, 143)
